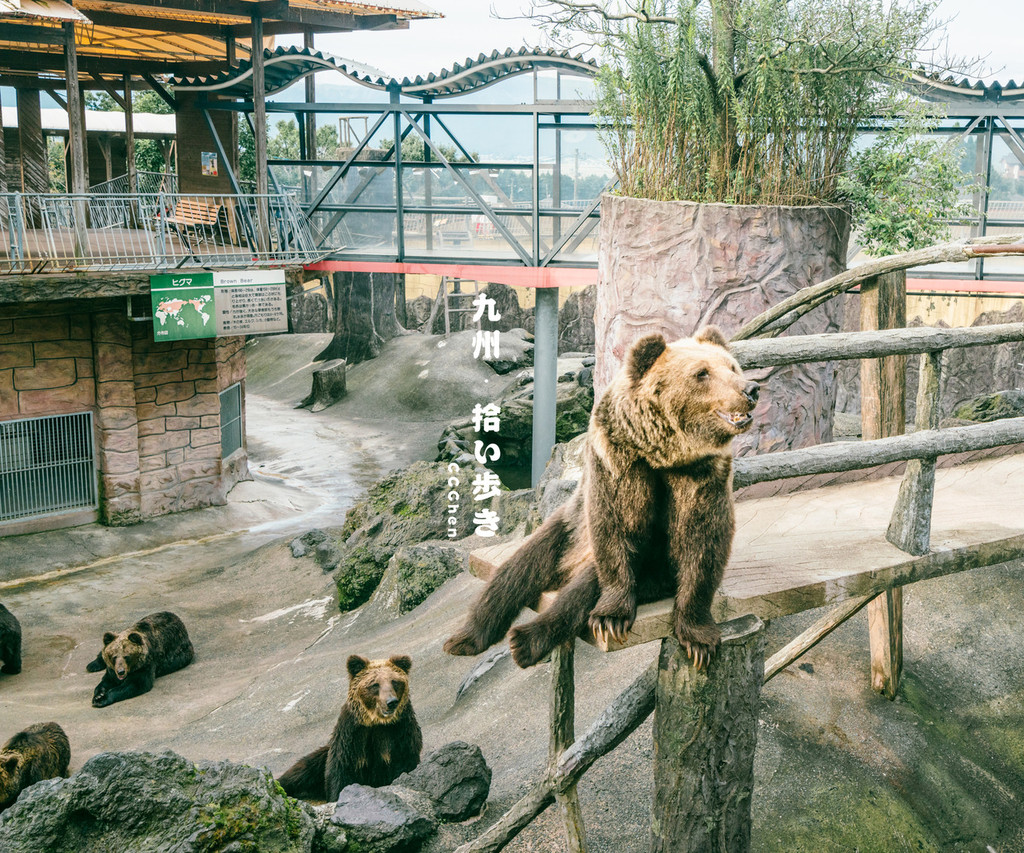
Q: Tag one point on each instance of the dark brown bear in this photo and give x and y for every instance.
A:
(39, 752)
(10, 642)
(155, 645)
(375, 739)
(652, 516)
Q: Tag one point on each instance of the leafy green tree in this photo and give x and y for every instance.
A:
(743, 101)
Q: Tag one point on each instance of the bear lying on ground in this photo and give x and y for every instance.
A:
(651, 517)
(10, 642)
(376, 738)
(155, 645)
(39, 752)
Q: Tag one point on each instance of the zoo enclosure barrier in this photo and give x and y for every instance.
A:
(50, 232)
(698, 805)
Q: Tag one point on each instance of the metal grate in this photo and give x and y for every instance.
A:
(47, 466)
(230, 420)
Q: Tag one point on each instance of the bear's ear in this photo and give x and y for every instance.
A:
(403, 662)
(356, 665)
(712, 335)
(109, 637)
(643, 354)
(133, 637)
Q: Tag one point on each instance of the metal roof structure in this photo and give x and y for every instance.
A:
(173, 36)
(286, 66)
(955, 92)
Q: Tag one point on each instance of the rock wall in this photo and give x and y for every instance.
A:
(676, 266)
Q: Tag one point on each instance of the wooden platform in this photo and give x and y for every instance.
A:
(811, 549)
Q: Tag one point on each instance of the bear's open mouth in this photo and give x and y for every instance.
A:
(735, 419)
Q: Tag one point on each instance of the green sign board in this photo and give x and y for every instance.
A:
(205, 305)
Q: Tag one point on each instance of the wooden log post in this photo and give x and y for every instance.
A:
(911, 523)
(329, 386)
(883, 305)
(705, 731)
(562, 735)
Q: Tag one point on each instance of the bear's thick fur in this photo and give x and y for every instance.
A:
(155, 645)
(376, 738)
(39, 752)
(10, 642)
(652, 516)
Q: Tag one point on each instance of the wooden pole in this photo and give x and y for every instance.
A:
(562, 735)
(78, 182)
(129, 136)
(705, 732)
(259, 94)
(911, 524)
(883, 305)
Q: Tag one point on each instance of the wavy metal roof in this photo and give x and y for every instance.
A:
(285, 66)
(950, 89)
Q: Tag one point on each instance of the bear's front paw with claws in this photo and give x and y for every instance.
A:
(99, 697)
(611, 619)
(700, 641)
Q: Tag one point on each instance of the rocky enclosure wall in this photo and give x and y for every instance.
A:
(673, 267)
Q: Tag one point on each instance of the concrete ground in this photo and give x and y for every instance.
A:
(838, 768)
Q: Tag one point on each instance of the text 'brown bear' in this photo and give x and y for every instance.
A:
(652, 516)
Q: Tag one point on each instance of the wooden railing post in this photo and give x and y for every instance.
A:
(562, 719)
(911, 524)
(705, 731)
(883, 305)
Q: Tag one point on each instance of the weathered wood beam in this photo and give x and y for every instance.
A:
(562, 733)
(883, 305)
(911, 522)
(705, 734)
(780, 317)
(20, 60)
(108, 87)
(59, 98)
(808, 639)
(771, 352)
(161, 90)
(620, 719)
(129, 135)
(31, 34)
(850, 456)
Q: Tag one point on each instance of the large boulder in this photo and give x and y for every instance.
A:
(415, 571)
(407, 507)
(123, 801)
(455, 777)
(379, 820)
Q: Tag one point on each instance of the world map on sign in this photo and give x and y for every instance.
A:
(190, 313)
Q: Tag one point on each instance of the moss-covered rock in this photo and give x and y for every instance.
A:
(127, 801)
(410, 506)
(992, 407)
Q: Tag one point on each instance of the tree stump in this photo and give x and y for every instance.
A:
(328, 386)
(705, 731)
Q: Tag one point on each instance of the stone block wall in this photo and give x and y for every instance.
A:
(155, 405)
(46, 365)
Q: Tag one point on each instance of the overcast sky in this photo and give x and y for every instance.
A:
(993, 29)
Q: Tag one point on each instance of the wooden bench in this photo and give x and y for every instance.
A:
(193, 218)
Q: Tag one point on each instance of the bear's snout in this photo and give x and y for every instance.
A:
(751, 392)
(391, 704)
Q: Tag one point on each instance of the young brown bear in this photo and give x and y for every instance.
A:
(155, 645)
(10, 642)
(39, 752)
(652, 515)
(376, 738)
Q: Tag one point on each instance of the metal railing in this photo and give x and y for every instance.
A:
(49, 232)
(145, 182)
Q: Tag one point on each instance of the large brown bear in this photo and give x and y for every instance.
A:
(10, 642)
(376, 738)
(652, 516)
(155, 645)
(39, 752)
